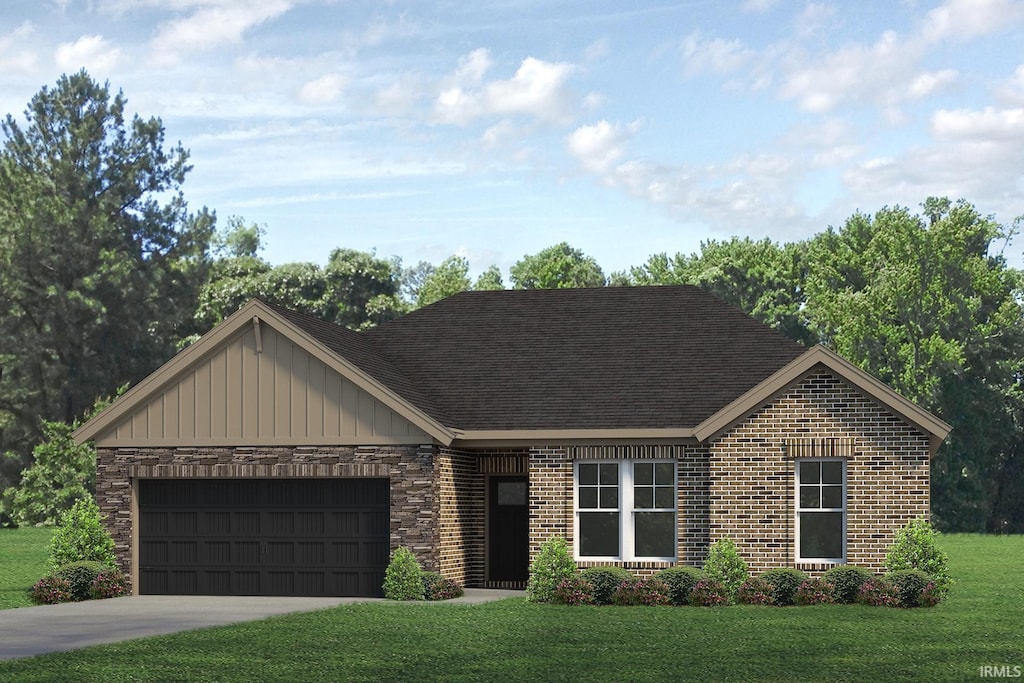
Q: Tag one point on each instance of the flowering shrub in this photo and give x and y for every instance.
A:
(81, 576)
(437, 587)
(574, 590)
(109, 583)
(756, 591)
(785, 581)
(50, 590)
(878, 593)
(709, 593)
(910, 584)
(681, 581)
(815, 592)
(847, 579)
(604, 581)
(648, 592)
(930, 595)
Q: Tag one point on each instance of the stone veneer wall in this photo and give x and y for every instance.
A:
(410, 469)
(753, 478)
(551, 497)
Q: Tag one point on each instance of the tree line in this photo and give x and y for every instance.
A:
(105, 273)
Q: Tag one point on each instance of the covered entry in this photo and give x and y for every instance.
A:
(302, 537)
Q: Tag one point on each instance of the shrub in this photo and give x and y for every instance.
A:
(847, 579)
(785, 582)
(929, 596)
(552, 564)
(916, 546)
(709, 593)
(815, 592)
(604, 581)
(80, 537)
(909, 585)
(756, 591)
(402, 578)
(574, 590)
(681, 581)
(50, 590)
(80, 576)
(647, 592)
(878, 592)
(724, 564)
(437, 587)
(109, 583)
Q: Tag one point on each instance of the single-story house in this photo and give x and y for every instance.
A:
(284, 455)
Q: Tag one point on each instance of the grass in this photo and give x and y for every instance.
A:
(22, 563)
(982, 623)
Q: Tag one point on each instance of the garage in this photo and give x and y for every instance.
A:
(298, 537)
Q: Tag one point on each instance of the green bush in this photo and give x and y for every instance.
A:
(109, 583)
(724, 564)
(756, 591)
(604, 581)
(80, 537)
(785, 582)
(403, 578)
(815, 592)
(847, 579)
(437, 587)
(916, 546)
(50, 590)
(909, 584)
(574, 590)
(680, 581)
(80, 576)
(552, 564)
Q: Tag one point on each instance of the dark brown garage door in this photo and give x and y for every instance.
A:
(312, 537)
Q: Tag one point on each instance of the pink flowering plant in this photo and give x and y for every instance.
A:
(878, 592)
(815, 592)
(109, 583)
(574, 590)
(50, 590)
(756, 591)
(709, 593)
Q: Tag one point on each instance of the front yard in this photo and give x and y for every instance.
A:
(981, 624)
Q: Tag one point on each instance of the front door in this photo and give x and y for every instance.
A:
(508, 531)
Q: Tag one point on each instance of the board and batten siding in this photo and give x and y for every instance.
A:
(279, 395)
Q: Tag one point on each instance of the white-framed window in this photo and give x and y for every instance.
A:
(625, 509)
(821, 510)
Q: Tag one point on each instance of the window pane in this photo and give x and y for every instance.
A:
(609, 497)
(810, 497)
(832, 472)
(599, 534)
(643, 497)
(609, 473)
(810, 472)
(512, 493)
(821, 534)
(665, 473)
(831, 496)
(654, 534)
(643, 473)
(588, 496)
(665, 497)
(588, 474)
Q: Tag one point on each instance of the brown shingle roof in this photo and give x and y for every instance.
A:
(619, 357)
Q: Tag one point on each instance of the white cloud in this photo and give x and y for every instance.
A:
(212, 25)
(91, 52)
(966, 19)
(814, 18)
(322, 90)
(598, 146)
(1011, 91)
(989, 125)
(17, 51)
(927, 83)
(717, 56)
(596, 50)
(758, 6)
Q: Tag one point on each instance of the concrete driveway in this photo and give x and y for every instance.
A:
(30, 631)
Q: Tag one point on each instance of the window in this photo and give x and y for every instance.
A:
(821, 510)
(626, 510)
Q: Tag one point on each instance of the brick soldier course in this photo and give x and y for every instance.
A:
(524, 386)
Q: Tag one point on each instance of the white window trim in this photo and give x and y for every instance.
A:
(625, 510)
(797, 510)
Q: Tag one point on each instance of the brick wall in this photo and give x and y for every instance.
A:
(410, 469)
(752, 478)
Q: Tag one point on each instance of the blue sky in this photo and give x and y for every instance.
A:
(494, 128)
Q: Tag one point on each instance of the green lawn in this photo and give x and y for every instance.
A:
(981, 624)
(22, 563)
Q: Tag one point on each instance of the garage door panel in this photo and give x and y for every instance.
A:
(263, 537)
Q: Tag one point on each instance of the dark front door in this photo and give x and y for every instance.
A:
(508, 530)
(311, 537)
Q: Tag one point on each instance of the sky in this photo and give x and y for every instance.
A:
(491, 129)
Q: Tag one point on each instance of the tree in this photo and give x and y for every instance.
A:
(928, 304)
(412, 279)
(238, 239)
(557, 267)
(450, 277)
(489, 280)
(101, 260)
(364, 287)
